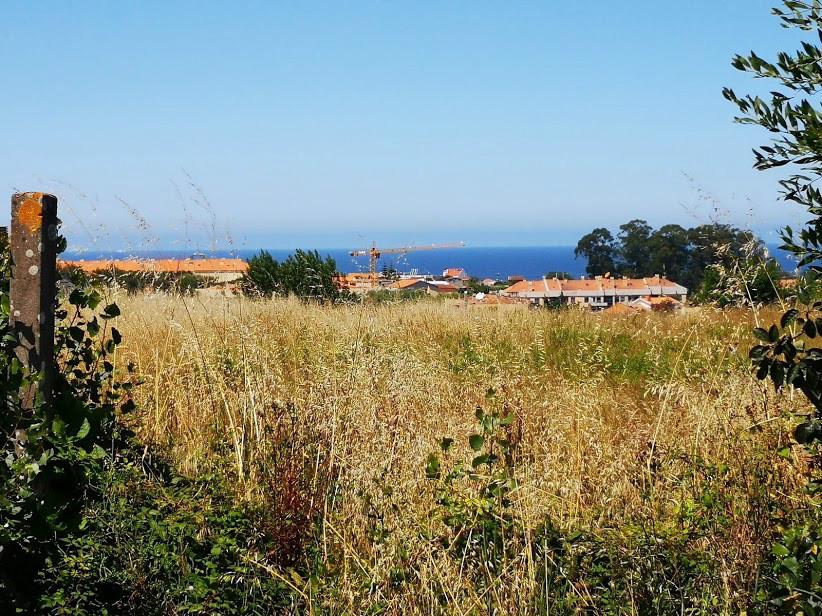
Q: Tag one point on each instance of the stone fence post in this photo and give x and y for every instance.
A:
(33, 285)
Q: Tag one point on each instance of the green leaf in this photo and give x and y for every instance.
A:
(777, 374)
(757, 351)
(476, 442)
(77, 298)
(445, 443)
(773, 333)
(111, 311)
(94, 300)
(789, 317)
(762, 334)
(58, 427)
(432, 467)
(85, 428)
(779, 550)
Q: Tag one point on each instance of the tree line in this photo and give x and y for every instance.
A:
(695, 258)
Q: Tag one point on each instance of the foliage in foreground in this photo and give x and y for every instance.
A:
(786, 354)
(90, 528)
(159, 544)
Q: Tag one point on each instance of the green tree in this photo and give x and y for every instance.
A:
(599, 248)
(717, 244)
(304, 274)
(669, 252)
(634, 248)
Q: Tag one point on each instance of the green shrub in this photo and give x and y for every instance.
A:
(162, 544)
(473, 501)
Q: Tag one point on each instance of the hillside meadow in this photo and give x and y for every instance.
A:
(636, 466)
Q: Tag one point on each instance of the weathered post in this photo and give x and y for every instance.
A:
(33, 284)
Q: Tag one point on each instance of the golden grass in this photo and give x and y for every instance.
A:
(332, 411)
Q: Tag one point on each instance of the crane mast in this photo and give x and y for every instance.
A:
(374, 252)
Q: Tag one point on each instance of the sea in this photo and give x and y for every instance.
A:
(480, 262)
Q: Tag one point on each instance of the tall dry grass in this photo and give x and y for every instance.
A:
(325, 416)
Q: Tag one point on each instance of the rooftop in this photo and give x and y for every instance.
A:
(199, 266)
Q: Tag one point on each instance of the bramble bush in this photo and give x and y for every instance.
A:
(91, 523)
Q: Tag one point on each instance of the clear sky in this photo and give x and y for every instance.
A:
(330, 124)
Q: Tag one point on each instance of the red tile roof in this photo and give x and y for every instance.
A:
(404, 283)
(200, 266)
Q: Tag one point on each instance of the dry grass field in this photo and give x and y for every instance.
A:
(644, 451)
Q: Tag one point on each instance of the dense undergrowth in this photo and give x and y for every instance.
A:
(265, 457)
(91, 522)
(618, 465)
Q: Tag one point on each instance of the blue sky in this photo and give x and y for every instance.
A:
(331, 124)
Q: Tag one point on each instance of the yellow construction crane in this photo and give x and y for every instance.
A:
(374, 253)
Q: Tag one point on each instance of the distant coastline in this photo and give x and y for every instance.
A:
(479, 261)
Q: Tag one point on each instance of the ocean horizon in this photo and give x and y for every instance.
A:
(478, 261)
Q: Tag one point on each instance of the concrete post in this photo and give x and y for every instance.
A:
(34, 284)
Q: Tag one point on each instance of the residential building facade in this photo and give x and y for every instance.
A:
(597, 293)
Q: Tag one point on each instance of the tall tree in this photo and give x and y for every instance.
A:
(718, 244)
(683, 255)
(599, 249)
(304, 274)
(669, 252)
(634, 250)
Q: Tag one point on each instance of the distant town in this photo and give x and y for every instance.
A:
(615, 294)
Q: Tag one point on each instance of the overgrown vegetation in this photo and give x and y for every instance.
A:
(406, 458)
(621, 465)
(91, 523)
(787, 354)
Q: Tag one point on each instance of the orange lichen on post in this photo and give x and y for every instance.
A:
(31, 211)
